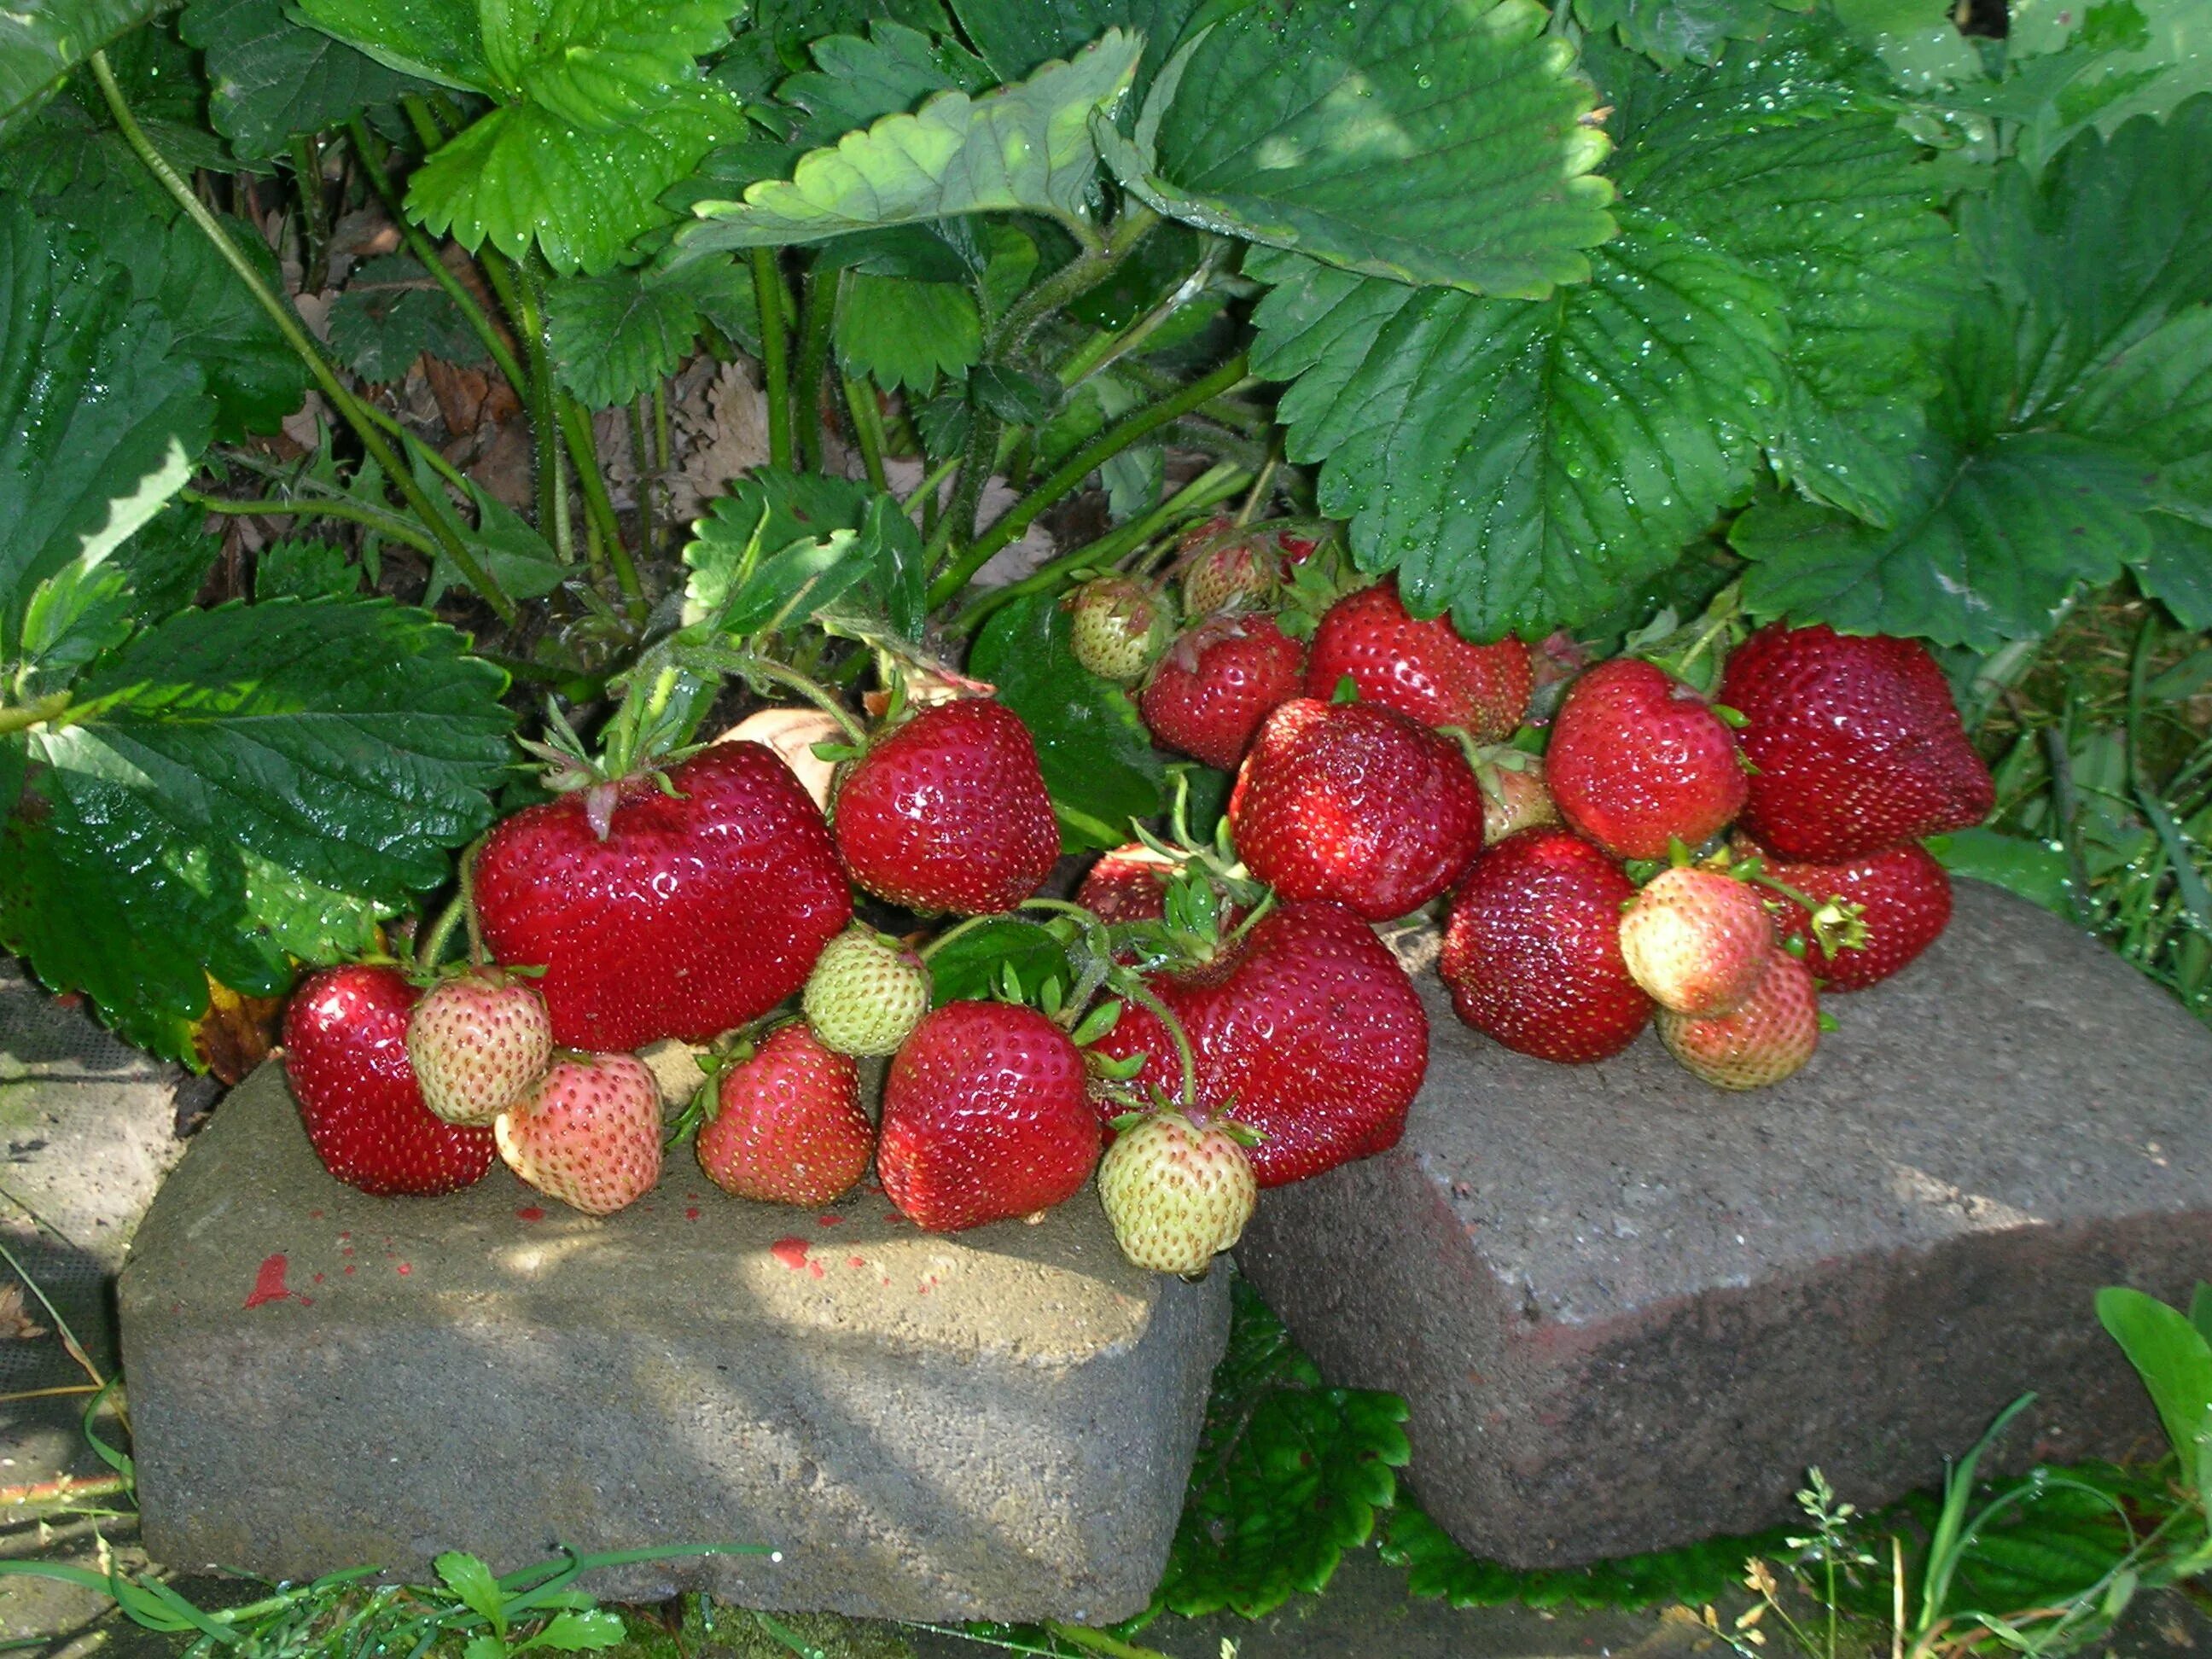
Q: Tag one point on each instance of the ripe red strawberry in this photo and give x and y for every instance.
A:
(1768, 1038)
(1216, 684)
(1857, 742)
(1532, 951)
(1637, 758)
(949, 812)
(1356, 803)
(1424, 669)
(589, 1134)
(1306, 1030)
(987, 1116)
(1129, 883)
(788, 1127)
(478, 1042)
(1221, 568)
(1697, 941)
(698, 911)
(1116, 626)
(1904, 895)
(345, 1054)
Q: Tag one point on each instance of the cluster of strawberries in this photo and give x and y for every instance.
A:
(1231, 1019)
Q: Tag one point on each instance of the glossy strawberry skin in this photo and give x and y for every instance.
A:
(789, 1129)
(345, 1053)
(1129, 883)
(1769, 1038)
(987, 1116)
(1637, 758)
(949, 812)
(1532, 950)
(1356, 803)
(696, 914)
(1856, 741)
(589, 1134)
(1217, 684)
(1422, 669)
(1907, 899)
(1306, 1030)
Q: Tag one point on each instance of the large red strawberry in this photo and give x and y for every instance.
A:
(1356, 803)
(1216, 684)
(1424, 669)
(698, 911)
(1857, 742)
(345, 1053)
(1532, 951)
(1639, 759)
(787, 1126)
(1905, 896)
(987, 1116)
(949, 812)
(1306, 1030)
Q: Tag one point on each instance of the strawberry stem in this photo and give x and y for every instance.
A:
(954, 931)
(750, 664)
(1138, 992)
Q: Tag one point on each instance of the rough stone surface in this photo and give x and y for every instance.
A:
(998, 1425)
(1628, 1309)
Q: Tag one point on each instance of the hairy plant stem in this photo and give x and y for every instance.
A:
(27, 715)
(584, 446)
(1217, 485)
(1078, 276)
(544, 422)
(315, 229)
(1078, 467)
(297, 338)
(867, 428)
(926, 491)
(649, 534)
(815, 309)
(976, 463)
(385, 524)
(768, 300)
(724, 659)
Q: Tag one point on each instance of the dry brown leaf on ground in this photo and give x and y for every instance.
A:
(15, 1324)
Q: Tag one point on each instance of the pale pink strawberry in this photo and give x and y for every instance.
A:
(478, 1042)
(1697, 941)
(1765, 1041)
(589, 1134)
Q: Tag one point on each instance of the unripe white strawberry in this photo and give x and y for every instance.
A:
(865, 993)
(1234, 573)
(1765, 1041)
(1176, 1193)
(1514, 799)
(1697, 941)
(478, 1043)
(588, 1135)
(1118, 626)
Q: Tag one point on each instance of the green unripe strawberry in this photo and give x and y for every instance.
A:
(1118, 625)
(865, 993)
(1177, 1192)
(479, 1042)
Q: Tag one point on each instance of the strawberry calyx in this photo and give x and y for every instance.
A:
(1838, 924)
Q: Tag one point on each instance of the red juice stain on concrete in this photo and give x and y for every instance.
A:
(318, 1279)
(828, 1220)
(348, 1266)
(269, 1283)
(691, 1214)
(405, 1270)
(856, 1261)
(792, 1252)
(530, 1213)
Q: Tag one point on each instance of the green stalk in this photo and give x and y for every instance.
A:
(958, 519)
(545, 422)
(1078, 467)
(314, 234)
(724, 659)
(649, 533)
(928, 489)
(661, 450)
(352, 512)
(1078, 276)
(33, 714)
(867, 428)
(297, 338)
(815, 312)
(584, 446)
(768, 298)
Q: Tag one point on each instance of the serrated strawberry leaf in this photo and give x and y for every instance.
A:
(616, 336)
(91, 603)
(1018, 37)
(1436, 1566)
(1097, 759)
(437, 40)
(293, 569)
(783, 546)
(973, 966)
(100, 417)
(1025, 147)
(1522, 462)
(240, 784)
(905, 333)
(2101, 64)
(1289, 1474)
(1669, 31)
(41, 45)
(274, 78)
(1426, 141)
(389, 313)
(859, 79)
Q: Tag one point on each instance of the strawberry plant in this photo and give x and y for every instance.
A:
(376, 372)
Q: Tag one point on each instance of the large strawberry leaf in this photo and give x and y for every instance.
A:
(2102, 64)
(1018, 37)
(1026, 147)
(390, 314)
(1097, 759)
(1668, 31)
(1429, 141)
(859, 79)
(905, 333)
(273, 77)
(235, 785)
(39, 44)
(615, 335)
(1521, 463)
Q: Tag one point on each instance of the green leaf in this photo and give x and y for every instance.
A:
(968, 968)
(472, 1583)
(1436, 1566)
(580, 1631)
(1097, 758)
(903, 333)
(1915, 39)
(1288, 1476)
(2177, 569)
(39, 44)
(1521, 463)
(599, 63)
(90, 605)
(520, 559)
(784, 546)
(297, 569)
(861, 80)
(2172, 1357)
(2102, 64)
(1018, 37)
(1668, 31)
(102, 418)
(2033, 870)
(1024, 146)
(521, 173)
(273, 77)
(439, 40)
(1427, 141)
(616, 336)
(390, 314)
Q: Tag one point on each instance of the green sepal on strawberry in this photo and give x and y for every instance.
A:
(1897, 903)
